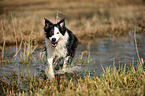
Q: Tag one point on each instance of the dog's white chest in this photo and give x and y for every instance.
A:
(60, 50)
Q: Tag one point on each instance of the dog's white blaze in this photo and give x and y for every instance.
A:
(56, 30)
(57, 34)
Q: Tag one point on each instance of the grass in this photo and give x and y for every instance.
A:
(23, 26)
(103, 18)
(126, 81)
(123, 81)
(26, 55)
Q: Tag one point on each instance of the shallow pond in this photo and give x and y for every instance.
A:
(102, 54)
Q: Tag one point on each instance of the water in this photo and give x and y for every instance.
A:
(103, 53)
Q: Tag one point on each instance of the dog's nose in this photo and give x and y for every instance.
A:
(53, 39)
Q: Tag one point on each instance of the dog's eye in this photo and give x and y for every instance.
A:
(57, 32)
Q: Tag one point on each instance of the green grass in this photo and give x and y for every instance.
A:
(126, 81)
(26, 54)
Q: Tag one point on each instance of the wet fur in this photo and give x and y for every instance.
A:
(60, 54)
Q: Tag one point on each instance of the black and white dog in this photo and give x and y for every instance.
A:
(61, 45)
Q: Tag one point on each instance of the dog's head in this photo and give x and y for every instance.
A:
(54, 32)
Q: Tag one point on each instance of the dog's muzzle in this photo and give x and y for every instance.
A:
(54, 42)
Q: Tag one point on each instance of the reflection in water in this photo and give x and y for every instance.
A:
(103, 53)
(107, 52)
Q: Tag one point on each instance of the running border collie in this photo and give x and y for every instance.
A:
(60, 45)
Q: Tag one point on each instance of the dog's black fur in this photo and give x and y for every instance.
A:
(70, 45)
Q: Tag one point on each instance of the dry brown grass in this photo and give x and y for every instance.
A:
(126, 81)
(23, 20)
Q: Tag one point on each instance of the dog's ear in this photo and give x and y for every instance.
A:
(61, 23)
(47, 23)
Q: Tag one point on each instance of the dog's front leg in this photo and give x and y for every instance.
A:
(65, 63)
(50, 70)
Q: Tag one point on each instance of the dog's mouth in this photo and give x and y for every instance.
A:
(54, 44)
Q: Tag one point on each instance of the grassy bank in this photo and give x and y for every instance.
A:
(126, 81)
(21, 24)
(23, 20)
